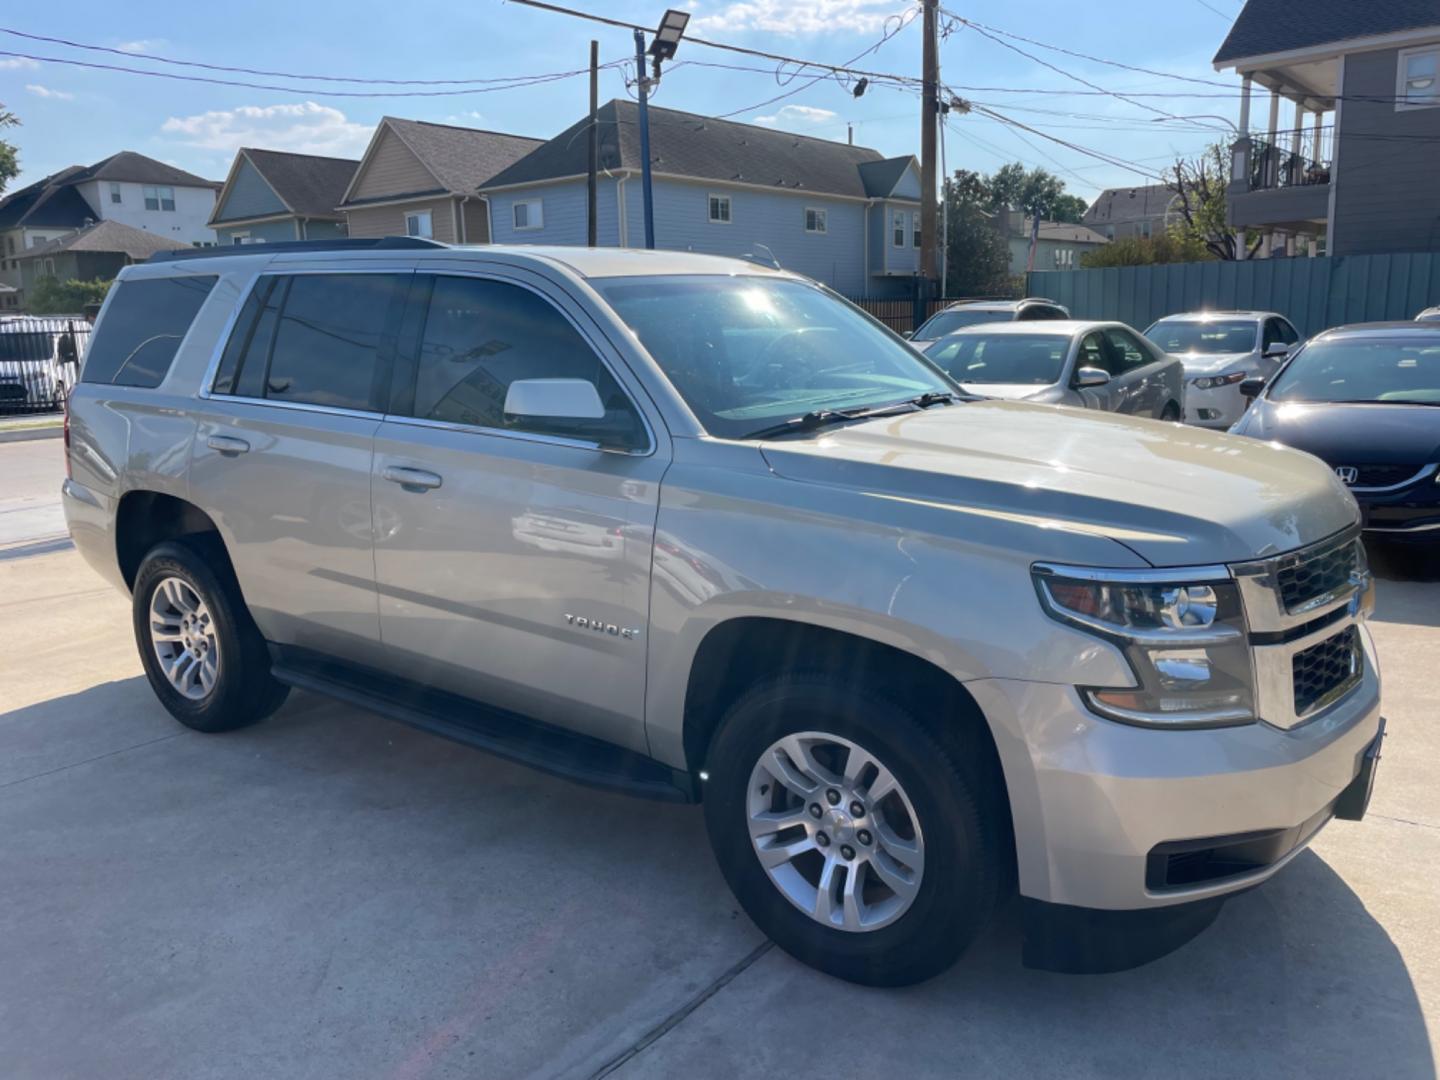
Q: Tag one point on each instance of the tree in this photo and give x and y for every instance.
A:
(1199, 186)
(1035, 191)
(1069, 208)
(52, 297)
(977, 257)
(1168, 247)
(9, 155)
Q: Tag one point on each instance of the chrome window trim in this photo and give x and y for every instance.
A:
(301, 406)
(1425, 471)
(1260, 590)
(1162, 575)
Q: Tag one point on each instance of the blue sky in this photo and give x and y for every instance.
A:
(73, 115)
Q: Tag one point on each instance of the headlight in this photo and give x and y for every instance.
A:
(1184, 636)
(1210, 382)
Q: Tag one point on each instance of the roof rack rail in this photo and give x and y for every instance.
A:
(383, 243)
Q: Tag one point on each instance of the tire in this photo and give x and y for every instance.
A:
(1171, 413)
(242, 690)
(954, 793)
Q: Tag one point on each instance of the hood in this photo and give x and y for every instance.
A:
(1174, 495)
(1351, 434)
(1005, 391)
(1212, 363)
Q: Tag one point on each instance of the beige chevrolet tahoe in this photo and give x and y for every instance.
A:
(699, 530)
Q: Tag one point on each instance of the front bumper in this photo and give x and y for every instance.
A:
(1216, 408)
(1092, 799)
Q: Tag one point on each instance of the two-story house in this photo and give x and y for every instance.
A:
(273, 195)
(1351, 148)
(1132, 212)
(844, 215)
(422, 179)
(126, 187)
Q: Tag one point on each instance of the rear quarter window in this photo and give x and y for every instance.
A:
(144, 324)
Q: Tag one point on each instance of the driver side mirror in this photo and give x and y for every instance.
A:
(1251, 388)
(1276, 352)
(1090, 377)
(907, 334)
(572, 409)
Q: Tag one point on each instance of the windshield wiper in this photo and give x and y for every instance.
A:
(813, 421)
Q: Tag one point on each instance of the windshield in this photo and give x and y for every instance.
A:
(1374, 372)
(1029, 359)
(1192, 336)
(947, 322)
(747, 351)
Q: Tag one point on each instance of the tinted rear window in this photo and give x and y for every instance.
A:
(143, 326)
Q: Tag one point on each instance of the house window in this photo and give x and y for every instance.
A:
(814, 220)
(529, 214)
(114, 192)
(720, 209)
(1064, 258)
(897, 228)
(417, 223)
(50, 268)
(915, 229)
(159, 198)
(1419, 78)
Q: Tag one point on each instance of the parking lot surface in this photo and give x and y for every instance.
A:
(329, 894)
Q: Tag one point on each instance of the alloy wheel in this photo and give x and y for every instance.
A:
(182, 634)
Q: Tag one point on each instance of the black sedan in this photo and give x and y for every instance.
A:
(1366, 400)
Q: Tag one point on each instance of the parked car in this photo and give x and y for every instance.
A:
(1220, 350)
(1091, 365)
(1365, 399)
(39, 359)
(1430, 314)
(975, 312)
(696, 529)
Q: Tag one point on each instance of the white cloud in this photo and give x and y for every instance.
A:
(306, 129)
(791, 17)
(46, 92)
(17, 63)
(471, 116)
(791, 116)
(141, 45)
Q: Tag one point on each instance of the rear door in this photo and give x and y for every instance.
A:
(512, 555)
(284, 446)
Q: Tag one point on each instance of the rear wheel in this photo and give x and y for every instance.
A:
(852, 836)
(202, 653)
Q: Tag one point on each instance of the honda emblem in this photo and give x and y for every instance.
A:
(1348, 474)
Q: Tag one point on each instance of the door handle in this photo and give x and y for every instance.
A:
(410, 479)
(227, 445)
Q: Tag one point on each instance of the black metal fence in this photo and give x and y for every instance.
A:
(39, 361)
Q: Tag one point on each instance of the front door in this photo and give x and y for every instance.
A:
(283, 449)
(1093, 353)
(512, 556)
(1135, 373)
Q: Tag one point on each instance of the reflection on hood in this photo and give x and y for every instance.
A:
(1196, 363)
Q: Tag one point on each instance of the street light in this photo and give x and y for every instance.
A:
(667, 38)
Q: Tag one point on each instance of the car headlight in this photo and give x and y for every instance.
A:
(1210, 382)
(1183, 634)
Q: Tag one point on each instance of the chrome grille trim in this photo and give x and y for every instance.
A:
(1261, 580)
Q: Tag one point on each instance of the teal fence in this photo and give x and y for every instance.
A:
(1314, 294)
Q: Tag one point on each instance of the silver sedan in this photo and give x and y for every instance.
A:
(1092, 365)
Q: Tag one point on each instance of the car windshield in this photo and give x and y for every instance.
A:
(745, 352)
(1208, 336)
(978, 357)
(947, 322)
(1370, 371)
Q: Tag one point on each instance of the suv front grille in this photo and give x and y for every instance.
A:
(1382, 475)
(1317, 576)
(1324, 669)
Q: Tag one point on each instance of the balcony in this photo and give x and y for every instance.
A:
(1282, 181)
(1298, 158)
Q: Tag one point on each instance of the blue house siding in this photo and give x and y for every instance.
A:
(249, 197)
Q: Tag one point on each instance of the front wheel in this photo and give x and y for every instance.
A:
(1171, 413)
(855, 839)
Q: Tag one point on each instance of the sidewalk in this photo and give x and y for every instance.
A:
(31, 426)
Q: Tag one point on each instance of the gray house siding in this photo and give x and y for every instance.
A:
(1387, 169)
(906, 258)
(250, 197)
(268, 232)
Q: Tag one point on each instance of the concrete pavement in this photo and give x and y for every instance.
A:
(332, 895)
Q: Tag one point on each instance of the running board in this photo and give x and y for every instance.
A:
(566, 754)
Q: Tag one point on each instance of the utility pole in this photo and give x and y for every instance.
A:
(930, 116)
(591, 181)
(643, 84)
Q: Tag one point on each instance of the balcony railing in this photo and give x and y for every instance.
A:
(1297, 158)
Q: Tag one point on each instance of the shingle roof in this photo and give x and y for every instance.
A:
(1272, 26)
(461, 158)
(685, 144)
(139, 169)
(1116, 205)
(311, 186)
(47, 203)
(109, 237)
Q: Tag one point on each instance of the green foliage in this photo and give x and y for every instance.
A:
(978, 260)
(1069, 209)
(9, 156)
(1175, 246)
(1199, 188)
(52, 297)
(1034, 191)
